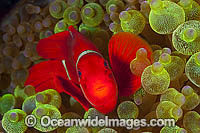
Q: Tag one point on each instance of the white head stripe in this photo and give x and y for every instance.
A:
(79, 57)
(84, 53)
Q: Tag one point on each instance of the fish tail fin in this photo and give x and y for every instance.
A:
(122, 50)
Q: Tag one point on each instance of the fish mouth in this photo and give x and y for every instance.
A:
(102, 87)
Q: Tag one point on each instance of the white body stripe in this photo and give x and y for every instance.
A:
(63, 62)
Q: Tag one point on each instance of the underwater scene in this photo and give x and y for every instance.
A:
(100, 66)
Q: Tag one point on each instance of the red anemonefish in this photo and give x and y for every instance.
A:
(77, 68)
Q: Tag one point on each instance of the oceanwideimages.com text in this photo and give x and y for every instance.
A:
(46, 121)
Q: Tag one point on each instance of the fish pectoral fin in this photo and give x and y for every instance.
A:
(52, 75)
(74, 91)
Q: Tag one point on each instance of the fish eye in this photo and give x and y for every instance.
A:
(79, 73)
(106, 64)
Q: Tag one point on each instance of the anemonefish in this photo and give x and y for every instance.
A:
(76, 67)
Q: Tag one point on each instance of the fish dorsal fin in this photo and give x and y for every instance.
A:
(64, 45)
(60, 46)
(122, 50)
(56, 46)
(80, 43)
